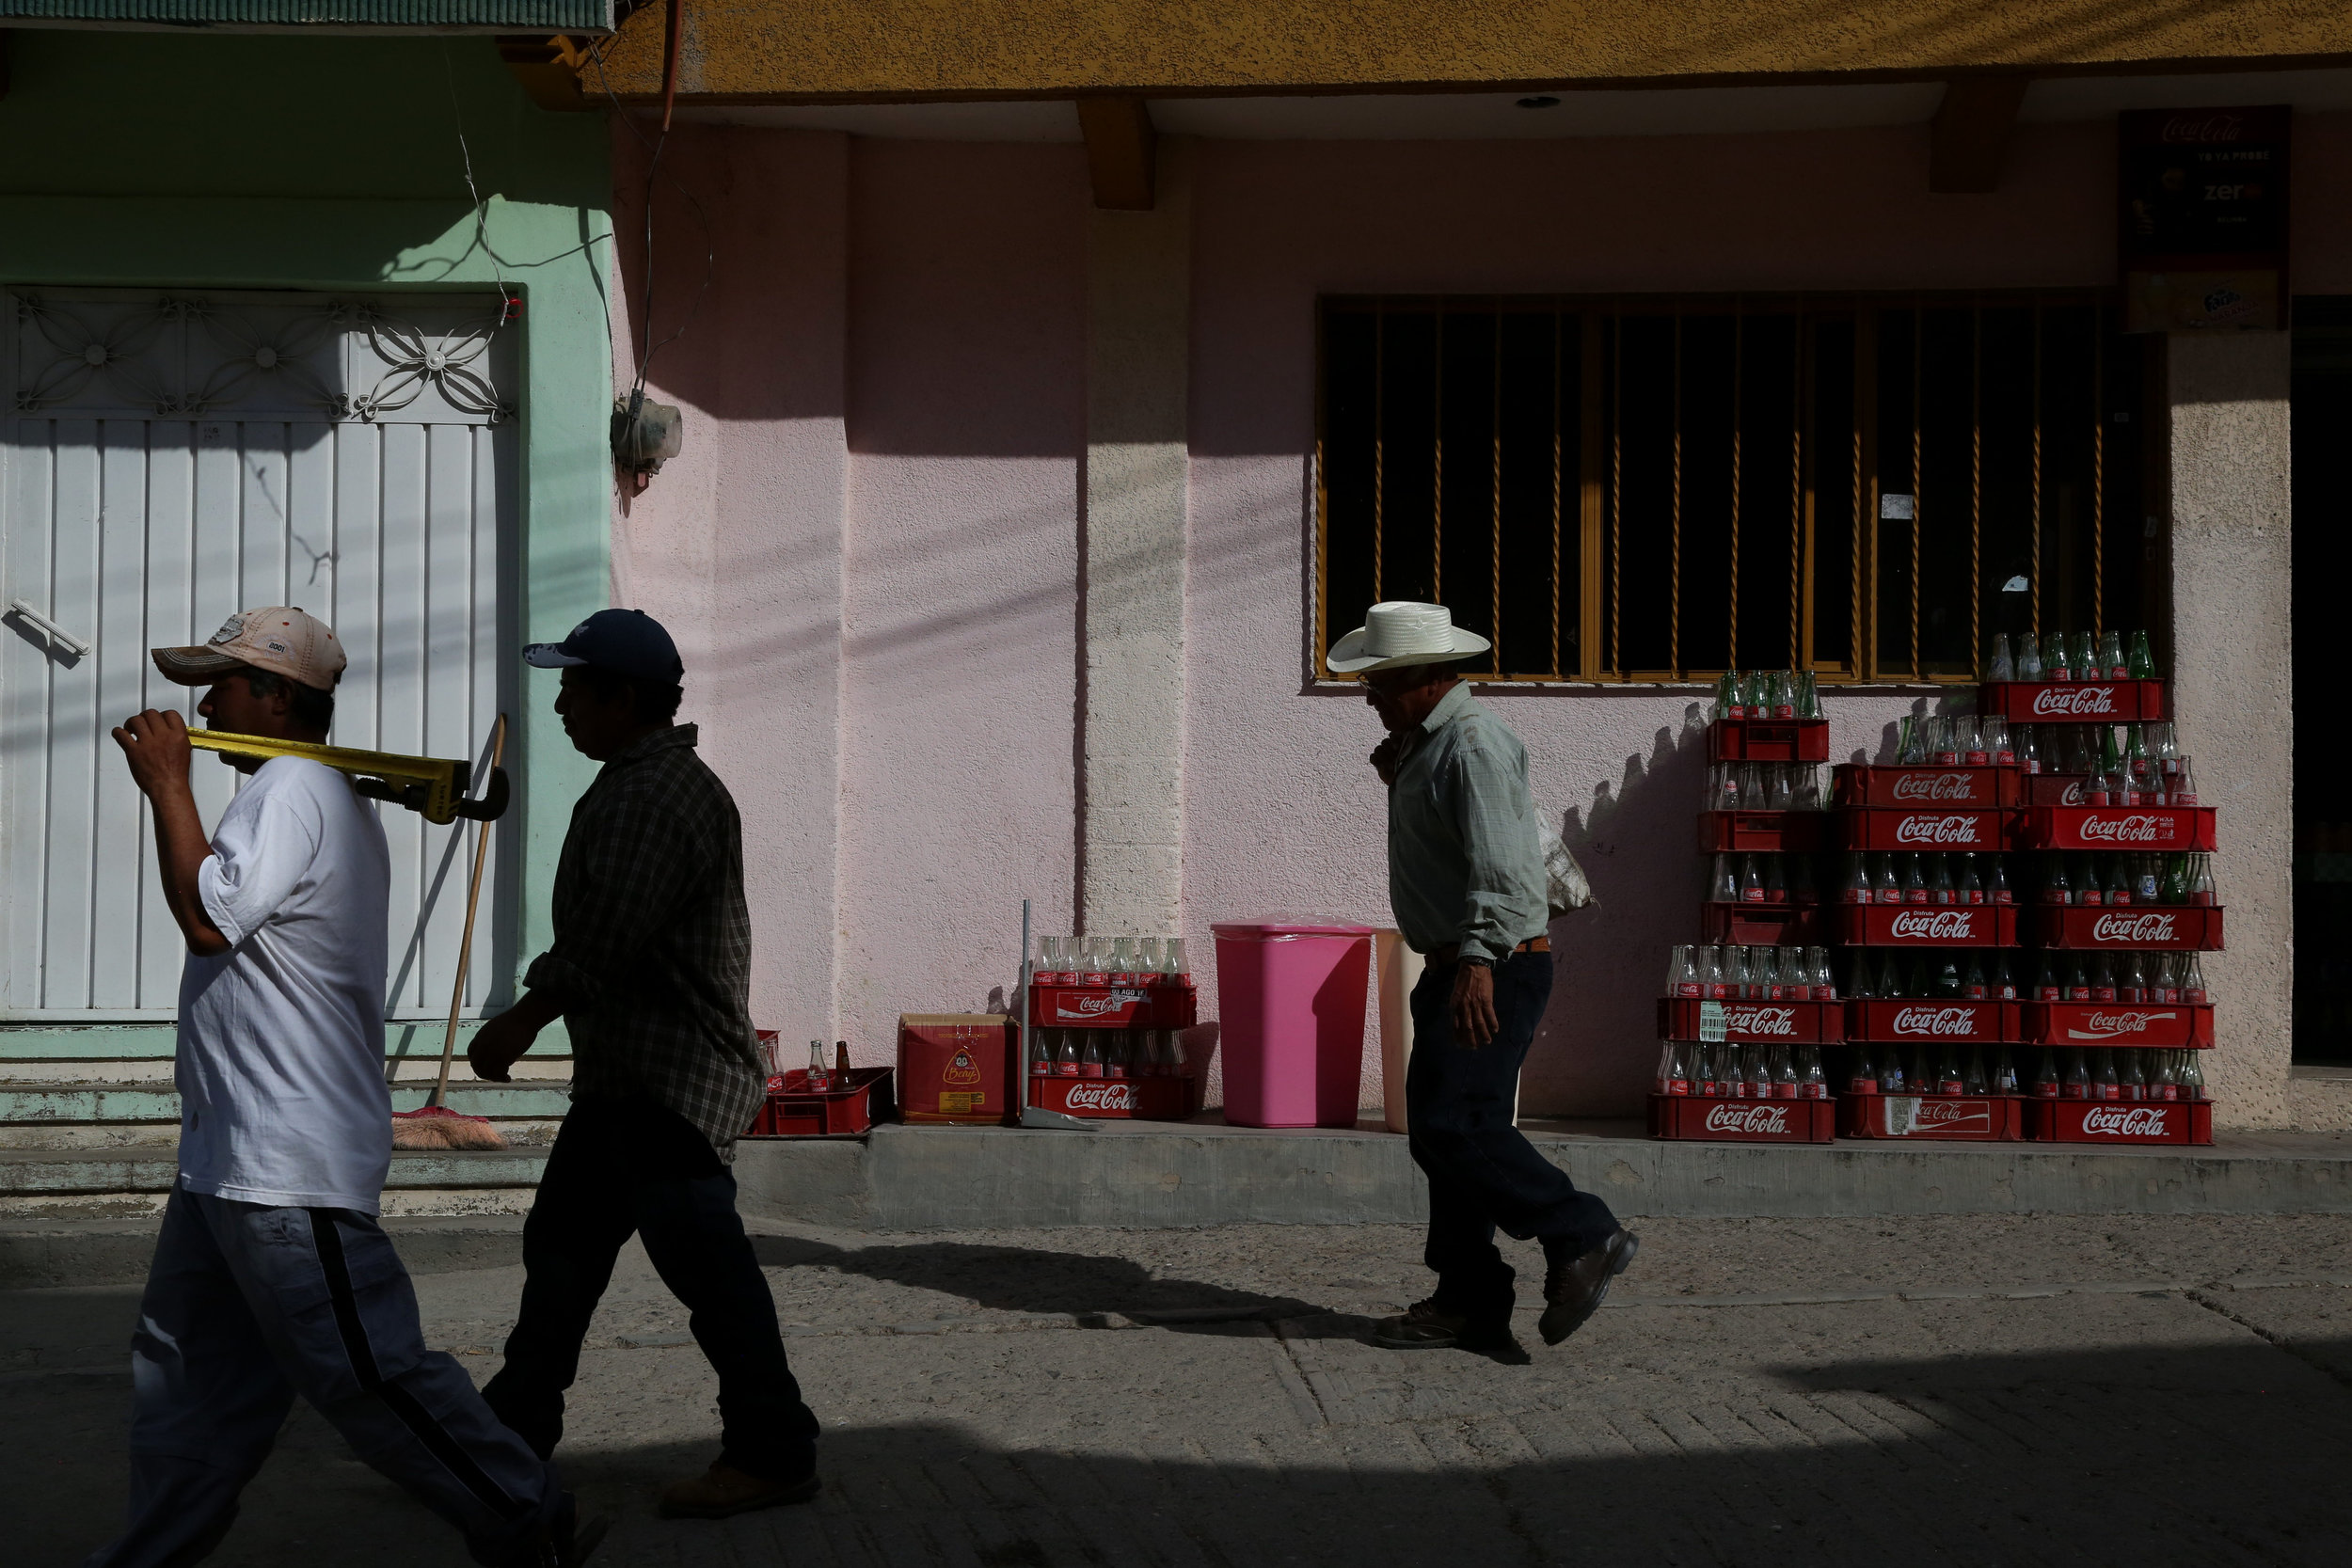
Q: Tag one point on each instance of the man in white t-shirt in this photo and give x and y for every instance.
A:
(272, 1277)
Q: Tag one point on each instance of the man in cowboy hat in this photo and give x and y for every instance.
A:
(1465, 877)
(271, 1277)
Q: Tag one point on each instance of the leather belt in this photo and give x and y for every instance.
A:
(1451, 952)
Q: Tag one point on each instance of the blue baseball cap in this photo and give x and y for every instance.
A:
(626, 641)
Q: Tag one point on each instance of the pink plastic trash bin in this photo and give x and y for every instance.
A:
(1291, 1022)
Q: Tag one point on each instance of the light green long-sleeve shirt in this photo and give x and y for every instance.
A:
(1466, 863)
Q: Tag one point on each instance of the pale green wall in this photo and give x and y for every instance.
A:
(132, 159)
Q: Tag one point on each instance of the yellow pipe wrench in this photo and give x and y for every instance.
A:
(432, 786)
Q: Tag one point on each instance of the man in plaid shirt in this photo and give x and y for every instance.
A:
(650, 971)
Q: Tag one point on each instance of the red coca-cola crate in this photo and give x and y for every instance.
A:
(2122, 1122)
(1960, 1117)
(2174, 1025)
(1126, 1007)
(2165, 927)
(1118, 1099)
(1854, 783)
(2072, 701)
(845, 1108)
(2118, 827)
(1762, 831)
(1906, 1021)
(1931, 830)
(1744, 1121)
(1767, 740)
(1762, 924)
(1753, 1022)
(2055, 789)
(1926, 924)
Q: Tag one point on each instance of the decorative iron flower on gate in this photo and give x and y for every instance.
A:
(446, 364)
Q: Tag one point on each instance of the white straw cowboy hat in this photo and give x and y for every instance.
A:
(1401, 632)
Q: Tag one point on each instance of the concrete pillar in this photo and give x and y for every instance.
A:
(1138, 346)
(2234, 689)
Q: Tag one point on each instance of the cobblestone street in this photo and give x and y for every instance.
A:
(1961, 1390)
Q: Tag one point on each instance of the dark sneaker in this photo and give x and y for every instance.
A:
(723, 1491)
(1429, 1326)
(569, 1540)
(1573, 1290)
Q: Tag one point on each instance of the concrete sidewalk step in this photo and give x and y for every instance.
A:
(65, 1171)
(22, 1101)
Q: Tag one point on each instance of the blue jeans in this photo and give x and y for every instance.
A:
(622, 1167)
(1483, 1172)
(247, 1306)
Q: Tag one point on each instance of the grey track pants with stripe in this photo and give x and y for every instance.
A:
(247, 1306)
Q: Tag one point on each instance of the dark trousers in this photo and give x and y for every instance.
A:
(1483, 1172)
(619, 1167)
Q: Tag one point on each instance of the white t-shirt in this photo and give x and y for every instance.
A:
(282, 1038)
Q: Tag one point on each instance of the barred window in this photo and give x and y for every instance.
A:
(1646, 490)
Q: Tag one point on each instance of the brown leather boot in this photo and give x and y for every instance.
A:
(724, 1489)
(1429, 1326)
(1573, 1290)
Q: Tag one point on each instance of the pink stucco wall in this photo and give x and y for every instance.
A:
(870, 543)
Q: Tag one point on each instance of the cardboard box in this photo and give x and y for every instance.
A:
(958, 1069)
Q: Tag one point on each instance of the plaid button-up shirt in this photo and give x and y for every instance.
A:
(653, 941)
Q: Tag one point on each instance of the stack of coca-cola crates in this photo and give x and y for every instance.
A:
(2116, 1014)
(1740, 1057)
(1105, 1044)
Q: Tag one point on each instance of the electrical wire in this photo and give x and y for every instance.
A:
(654, 174)
(482, 207)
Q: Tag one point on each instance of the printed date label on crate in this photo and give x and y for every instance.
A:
(1712, 1018)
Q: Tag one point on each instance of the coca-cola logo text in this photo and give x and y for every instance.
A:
(1760, 1020)
(1934, 787)
(1955, 1116)
(1105, 1096)
(1939, 829)
(1934, 925)
(2133, 927)
(1755, 1116)
(2074, 699)
(1956, 1021)
(2138, 828)
(2111, 1026)
(2126, 1121)
(2218, 126)
(1095, 1005)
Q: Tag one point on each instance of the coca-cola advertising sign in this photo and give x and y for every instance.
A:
(1933, 924)
(1936, 1022)
(1965, 829)
(1103, 1098)
(2131, 927)
(2129, 1122)
(2075, 702)
(1749, 1118)
(1950, 788)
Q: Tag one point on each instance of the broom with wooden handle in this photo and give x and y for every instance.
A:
(435, 1125)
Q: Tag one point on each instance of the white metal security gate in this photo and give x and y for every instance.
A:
(169, 458)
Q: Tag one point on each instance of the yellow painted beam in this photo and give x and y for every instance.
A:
(851, 51)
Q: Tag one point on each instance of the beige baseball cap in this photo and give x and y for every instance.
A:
(282, 638)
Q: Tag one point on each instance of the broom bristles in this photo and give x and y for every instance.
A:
(438, 1127)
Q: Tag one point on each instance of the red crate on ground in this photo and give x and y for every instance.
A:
(1925, 924)
(850, 1107)
(1854, 783)
(1753, 1022)
(1767, 740)
(1964, 1117)
(1918, 1018)
(2121, 1122)
(2166, 928)
(1118, 1099)
(2072, 701)
(2055, 789)
(2117, 828)
(1744, 1121)
(1762, 924)
(1761, 831)
(1931, 830)
(2174, 1026)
